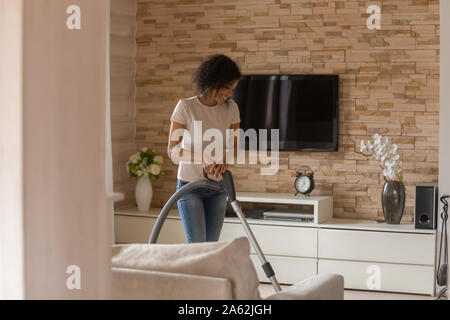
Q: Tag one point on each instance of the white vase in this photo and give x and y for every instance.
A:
(143, 193)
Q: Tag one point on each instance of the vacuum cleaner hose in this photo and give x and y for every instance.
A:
(210, 184)
(226, 184)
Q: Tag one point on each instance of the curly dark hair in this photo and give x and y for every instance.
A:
(218, 71)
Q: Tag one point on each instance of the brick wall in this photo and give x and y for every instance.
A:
(389, 83)
(123, 109)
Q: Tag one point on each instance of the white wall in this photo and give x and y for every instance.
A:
(444, 117)
(59, 208)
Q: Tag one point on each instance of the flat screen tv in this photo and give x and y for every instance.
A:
(303, 107)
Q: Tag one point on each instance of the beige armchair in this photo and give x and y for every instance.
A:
(203, 271)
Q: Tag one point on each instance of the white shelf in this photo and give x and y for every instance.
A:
(173, 214)
(335, 223)
(323, 205)
(372, 225)
(284, 198)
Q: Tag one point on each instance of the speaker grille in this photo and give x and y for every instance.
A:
(425, 207)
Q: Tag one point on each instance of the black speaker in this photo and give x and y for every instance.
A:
(425, 215)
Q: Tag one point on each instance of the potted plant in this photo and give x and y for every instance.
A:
(393, 194)
(144, 165)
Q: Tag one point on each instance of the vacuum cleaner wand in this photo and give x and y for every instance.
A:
(226, 185)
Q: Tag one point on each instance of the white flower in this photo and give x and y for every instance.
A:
(376, 138)
(380, 147)
(389, 163)
(384, 142)
(139, 173)
(389, 173)
(378, 154)
(135, 157)
(155, 169)
(158, 159)
(144, 149)
(362, 147)
(394, 148)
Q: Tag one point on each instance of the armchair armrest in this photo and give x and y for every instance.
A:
(320, 287)
(143, 284)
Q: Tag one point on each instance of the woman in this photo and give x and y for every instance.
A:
(203, 210)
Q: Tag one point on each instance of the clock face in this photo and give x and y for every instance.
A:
(302, 184)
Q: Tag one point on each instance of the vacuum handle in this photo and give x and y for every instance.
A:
(205, 175)
(228, 185)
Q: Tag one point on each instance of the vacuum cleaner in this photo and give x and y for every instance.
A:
(441, 274)
(226, 185)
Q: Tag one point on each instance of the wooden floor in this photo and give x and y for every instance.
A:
(267, 290)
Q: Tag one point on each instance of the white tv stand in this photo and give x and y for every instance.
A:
(323, 205)
(370, 255)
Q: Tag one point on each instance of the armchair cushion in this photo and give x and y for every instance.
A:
(214, 259)
(155, 285)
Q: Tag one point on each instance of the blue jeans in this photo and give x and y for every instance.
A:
(202, 211)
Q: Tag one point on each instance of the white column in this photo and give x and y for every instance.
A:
(11, 170)
(53, 187)
(444, 109)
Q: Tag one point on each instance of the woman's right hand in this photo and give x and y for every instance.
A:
(209, 167)
(212, 168)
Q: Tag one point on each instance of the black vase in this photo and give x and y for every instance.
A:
(393, 201)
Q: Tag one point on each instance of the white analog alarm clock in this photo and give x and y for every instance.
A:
(304, 184)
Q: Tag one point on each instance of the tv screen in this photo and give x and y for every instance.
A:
(303, 107)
